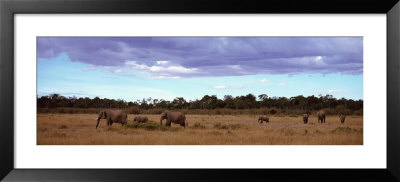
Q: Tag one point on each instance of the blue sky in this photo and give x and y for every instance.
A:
(165, 68)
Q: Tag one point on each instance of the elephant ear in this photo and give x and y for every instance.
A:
(105, 114)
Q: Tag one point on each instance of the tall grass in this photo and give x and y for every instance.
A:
(80, 129)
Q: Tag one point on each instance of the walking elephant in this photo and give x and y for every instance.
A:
(140, 119)
(112, 116)
(174, 117)
(305, 118)
(263, 118)
(342, 118)
(321, 116)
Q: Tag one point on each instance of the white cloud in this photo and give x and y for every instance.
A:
(172, 69)
(162, 62)
(161, 67)
(282, 83)
(165, 77)
(264, 80)
(236, 67)
(220, 87)
(332, 91)
(225, 87)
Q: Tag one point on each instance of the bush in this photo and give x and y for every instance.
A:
(234, 126)
(220, 111)
(147, 126)
(63, 127)
(228, 126)
(198, 126)
(341, 130)
(341, 109)
(329, 111)
(358, 112)
(134, 110)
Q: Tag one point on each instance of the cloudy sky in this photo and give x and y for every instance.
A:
(132, 68)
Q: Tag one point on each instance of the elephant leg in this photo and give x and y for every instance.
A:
(98, 121)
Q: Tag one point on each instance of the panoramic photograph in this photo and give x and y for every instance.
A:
(199, 91)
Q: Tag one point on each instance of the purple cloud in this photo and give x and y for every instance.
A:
(180, 57)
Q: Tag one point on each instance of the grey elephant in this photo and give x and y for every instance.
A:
(342, 118)
(140, 119)
(263, 118)
(305, 118)
(112, 116)
(321, 116)
(174, 117)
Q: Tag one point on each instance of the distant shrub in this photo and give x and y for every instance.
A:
(154, 111)
(234, 126)
(358, 112)
(341, 109)
(198, 125)
(220, 126)
(150, 126)
(63, 127)
(215, 133)
(134, 110)
(59, 135)
(228, 126)
(272, 111)
(219, 111)
(329, 111)
(341, 130)
(42, 129)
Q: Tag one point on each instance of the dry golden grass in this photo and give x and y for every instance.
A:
(79, 129)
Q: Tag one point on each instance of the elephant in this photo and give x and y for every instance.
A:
(112, 116)
(342, 118)
(305, 118)
(321, 116)
(140, 119)
(174, 117)
(263, 118)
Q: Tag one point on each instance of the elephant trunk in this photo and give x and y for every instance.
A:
(161, 121)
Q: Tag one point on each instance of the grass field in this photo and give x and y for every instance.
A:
(79, 129)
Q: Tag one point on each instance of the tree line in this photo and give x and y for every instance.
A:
(249, 101)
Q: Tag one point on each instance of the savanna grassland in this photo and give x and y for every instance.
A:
(79, 129)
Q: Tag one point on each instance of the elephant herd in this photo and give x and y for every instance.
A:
(119, 116)
(321, 116)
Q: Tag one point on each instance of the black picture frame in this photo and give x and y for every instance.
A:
(8, 8)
